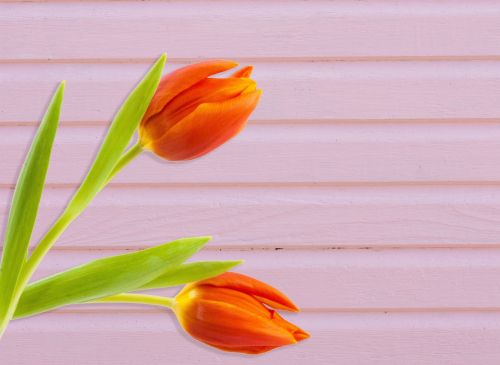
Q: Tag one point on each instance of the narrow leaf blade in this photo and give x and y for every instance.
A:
(188, 273)
(26, 198)
(105, 277)
(118, 137)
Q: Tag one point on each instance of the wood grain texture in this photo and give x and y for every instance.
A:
(355, 280)
(295, 91)
(366, 186)
(280, 216)
(304, 153)
(340, 338)
(272, 29)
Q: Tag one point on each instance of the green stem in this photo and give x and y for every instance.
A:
(138, 299)
(4, 321)
(132, 153)
(155, 300)
(51, 237)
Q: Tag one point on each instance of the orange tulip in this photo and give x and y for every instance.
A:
(231, 312)
(191, 113)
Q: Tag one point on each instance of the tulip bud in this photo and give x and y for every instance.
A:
(231, 312)
(191, 113)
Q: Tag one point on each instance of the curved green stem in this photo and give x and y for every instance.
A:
(138, 299)
(132, 153)
(57, 229)
(126, 298)
(68, 216)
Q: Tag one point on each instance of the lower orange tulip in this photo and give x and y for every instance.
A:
(232, 313)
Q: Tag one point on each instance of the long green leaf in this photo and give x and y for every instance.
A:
(26, 200)
(119, 135)
(105, 277)
(115, 142)
(188, 273)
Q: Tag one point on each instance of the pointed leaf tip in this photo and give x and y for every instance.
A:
(60, 91)
(118, 138)
(190, 272)
(161, 61)
(106, 276)
(25, 202)
(201, 239)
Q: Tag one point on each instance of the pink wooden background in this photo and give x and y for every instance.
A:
(367, 185)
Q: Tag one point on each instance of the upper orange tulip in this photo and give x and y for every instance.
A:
(191, 113)
(230, 312)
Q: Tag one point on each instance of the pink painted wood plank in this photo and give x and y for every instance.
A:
(380, 150)
(302, 153)
(284, 216)
(353, 280)
(277, 29)
(338, 338)
(293, 91)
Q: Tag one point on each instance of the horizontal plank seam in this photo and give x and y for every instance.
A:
(287, 247)
(281, 248)
(112, 309)
(325, 59)
(303, 184)
(291, 122)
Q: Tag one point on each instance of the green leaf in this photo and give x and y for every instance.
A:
(115, 142)
(188, 273)
(26, 200)
(119, 135)
(105, 277)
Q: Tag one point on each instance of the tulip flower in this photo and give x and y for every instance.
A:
(191, 113)
(232, 312)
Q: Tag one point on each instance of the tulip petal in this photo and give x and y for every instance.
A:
(209, 126)
(210, 90)
(246, 284)
(244, 72)
(183, 78)
(298, 333)
(239, 299)
(251, 350)
(229, 327)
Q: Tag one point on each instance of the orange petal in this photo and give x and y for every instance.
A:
(298, 333)
(209, 90)
(251, 350)
(181, 79)
(244, 72)
(209, 126)
(246, 284)
(230, 327)
(236, 298)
